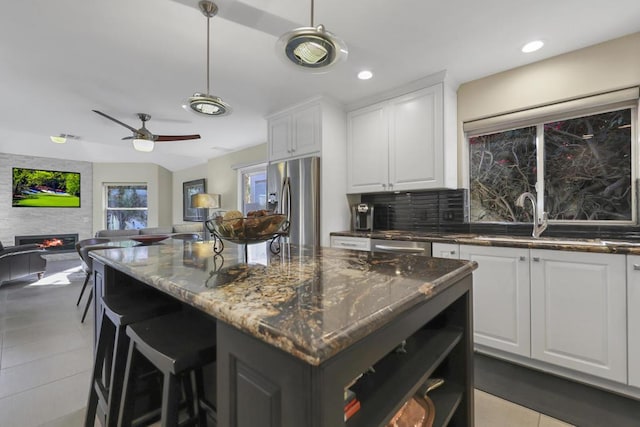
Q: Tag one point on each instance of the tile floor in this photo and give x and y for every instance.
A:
(45, 358)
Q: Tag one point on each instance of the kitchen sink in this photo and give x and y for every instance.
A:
(548, 240)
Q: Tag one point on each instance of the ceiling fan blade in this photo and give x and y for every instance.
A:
(167, 138)
(132, 129)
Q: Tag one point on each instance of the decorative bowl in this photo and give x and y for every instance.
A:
(147, 239)
(249, 229)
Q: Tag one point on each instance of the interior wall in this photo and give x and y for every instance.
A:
(36, 221)
(159, 189)
(222, 176)
(604, 67)
(178, 178)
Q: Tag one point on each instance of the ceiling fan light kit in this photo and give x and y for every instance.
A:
(145, 145)
(204, 103)
(313, 48)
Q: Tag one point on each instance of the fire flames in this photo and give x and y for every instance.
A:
(51, 242)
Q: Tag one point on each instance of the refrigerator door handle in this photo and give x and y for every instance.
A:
(286, 197)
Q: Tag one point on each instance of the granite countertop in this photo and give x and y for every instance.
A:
(617, 246)
(311, 303)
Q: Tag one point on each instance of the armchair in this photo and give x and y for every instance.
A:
(22, 260)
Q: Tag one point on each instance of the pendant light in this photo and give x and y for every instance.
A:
(313, 48)
(203, 103)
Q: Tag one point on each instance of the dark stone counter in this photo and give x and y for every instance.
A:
(618, 246)
(311, 303)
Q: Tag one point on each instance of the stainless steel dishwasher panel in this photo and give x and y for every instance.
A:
(401, 247)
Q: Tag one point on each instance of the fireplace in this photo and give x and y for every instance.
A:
(57, 243)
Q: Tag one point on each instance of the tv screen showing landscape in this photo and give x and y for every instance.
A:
(37, 188)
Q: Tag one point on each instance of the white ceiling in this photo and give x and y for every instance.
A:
(61, 59)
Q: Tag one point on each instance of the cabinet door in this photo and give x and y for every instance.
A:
(306, 131)
(500, 297)
(416, 156)
(367, 150)
(280, 137)
(445, 250)
(578, 311)
(633, 318)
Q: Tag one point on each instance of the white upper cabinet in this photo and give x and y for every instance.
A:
(633, 318)
(578, 311)
(295, 133)
(404, 143)
(501, 317)
(416, 158)
(367, 149)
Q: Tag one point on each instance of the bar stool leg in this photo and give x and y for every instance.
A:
(170, 394)
(104, 342)
(125, 417)
(116, 380)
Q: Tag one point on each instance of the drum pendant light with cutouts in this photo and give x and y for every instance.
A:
(205, 103)
(313, 48)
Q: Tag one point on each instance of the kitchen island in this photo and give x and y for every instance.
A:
(296, 328)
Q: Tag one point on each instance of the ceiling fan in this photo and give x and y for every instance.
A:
(143, 140)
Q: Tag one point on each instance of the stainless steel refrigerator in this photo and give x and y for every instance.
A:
(293, 188)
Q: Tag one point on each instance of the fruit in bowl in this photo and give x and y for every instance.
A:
(257, 225)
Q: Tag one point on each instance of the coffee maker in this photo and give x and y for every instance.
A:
(362, 217)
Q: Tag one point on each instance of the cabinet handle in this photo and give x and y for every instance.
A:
(522, 258)
(390, 186)
(348, 244)
(636, 266)
(453, 252)
(536, 259)
(384, 185)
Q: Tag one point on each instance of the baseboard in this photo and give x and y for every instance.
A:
(566, 400)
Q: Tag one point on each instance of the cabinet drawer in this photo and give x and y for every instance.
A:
(355, 243)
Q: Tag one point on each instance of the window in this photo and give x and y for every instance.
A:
(126, 206)
(253, 188)
(582, 165)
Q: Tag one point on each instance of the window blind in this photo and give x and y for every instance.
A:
(553, 112)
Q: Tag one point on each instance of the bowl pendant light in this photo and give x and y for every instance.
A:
(312, 47)
(205, 103)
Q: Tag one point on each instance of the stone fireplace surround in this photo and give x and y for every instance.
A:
(45, 221)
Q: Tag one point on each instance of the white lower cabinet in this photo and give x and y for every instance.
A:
(578, 311)
(348, 242)
(633, 318)
(445, 250)
(501, 303)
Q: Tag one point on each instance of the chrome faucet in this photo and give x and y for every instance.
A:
(539, 224)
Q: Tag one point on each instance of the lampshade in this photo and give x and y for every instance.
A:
(205, 200)
(145, 145)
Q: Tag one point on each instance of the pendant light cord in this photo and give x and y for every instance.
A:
(208, 60)
(312, 13)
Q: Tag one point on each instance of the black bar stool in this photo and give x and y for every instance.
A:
(179, 345)
(110, 358)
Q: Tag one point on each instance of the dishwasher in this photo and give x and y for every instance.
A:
(401, 247)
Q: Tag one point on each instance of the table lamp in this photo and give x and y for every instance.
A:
(205, 201)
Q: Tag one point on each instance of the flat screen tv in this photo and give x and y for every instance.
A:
(37, 188)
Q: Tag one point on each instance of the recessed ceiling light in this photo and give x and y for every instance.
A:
(365, 75)
(532, 46)
(63, 137)
(58, 139)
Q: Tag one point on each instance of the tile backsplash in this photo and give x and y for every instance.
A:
(442, 210)
(447, 211)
